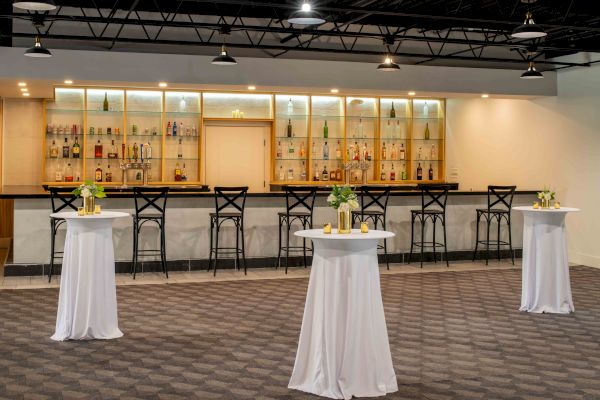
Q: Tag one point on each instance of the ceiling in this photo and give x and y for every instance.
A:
(467, 33)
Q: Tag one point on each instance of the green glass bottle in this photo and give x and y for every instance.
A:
(392, 111)
(325, 130)
(427, 131)
(105, 104)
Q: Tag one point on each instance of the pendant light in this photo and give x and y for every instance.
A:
(531, 72)
(35, 5)
(388, 65)
(224, 58)
(38, 51)
(306, 16)
(529, 29)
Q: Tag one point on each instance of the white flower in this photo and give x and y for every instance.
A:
(353, 204)
(331, 198)
(86, 192)
(547, 196)
(344, 207)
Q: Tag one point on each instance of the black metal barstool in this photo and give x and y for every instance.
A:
(229, 206)
(433, 208)
(60, 198)
(150, 206)
(373, 207)
(500, 200)
(299, 204)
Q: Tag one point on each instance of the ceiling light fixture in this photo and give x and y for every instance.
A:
(251, 87)
(306, 16)
(68, 82)
(485, 96)
(335, 91)
(24, 89)
(388, 65)
(529, 29)
(22, 84)
(162, 84)
(531, 72)
(35, 5)
(26, 94)
(411, 93)
(224, 58)
(38, 51)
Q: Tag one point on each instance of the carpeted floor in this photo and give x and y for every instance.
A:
(453, 335)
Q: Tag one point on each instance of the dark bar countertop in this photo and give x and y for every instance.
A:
(39, 192)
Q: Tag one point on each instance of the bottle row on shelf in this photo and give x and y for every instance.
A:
(77, 129)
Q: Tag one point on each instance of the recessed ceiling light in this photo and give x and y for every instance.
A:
(35, 5)
(251, 87)
(24, 89)
(68, 82)
(26, 94)
(335, 91)
(485, 96)
(162, 84)
(22, 84)
(411, 93)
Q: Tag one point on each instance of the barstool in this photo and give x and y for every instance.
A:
(500, 200)
(60, 199)
(433, 208)
(299, 204)
(234, 199)
(155, 200)
(373, 206)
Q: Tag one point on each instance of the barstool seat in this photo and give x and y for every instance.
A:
(427, 212)
(148, 216)
(226, 215)
(295, 214)
(60, 199)
(492, 211)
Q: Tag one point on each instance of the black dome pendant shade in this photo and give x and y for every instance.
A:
(529, 29)
(38, 51)
(224, 58)
(531, 72)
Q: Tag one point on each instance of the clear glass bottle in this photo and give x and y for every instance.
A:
(290, 107)
(69, 173)
(383, 152)
(338, 151)
(325, 151)
(383, 173)
(58, 174)
(179, 148)
(279, 153)
(402, 152)
(53, 150)
(281, 173)
(66, 150)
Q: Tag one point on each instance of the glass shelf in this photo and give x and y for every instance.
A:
(131, 135)
(321, 116)
(174, 137)
(327, 159)
(143, 112)
(114, 112)
(291, 138)
(183, 112)
(292, 159)
(65, 110)
(362, 117)
(424, 140)
(295, 116)
(182, 159)
(428, 118)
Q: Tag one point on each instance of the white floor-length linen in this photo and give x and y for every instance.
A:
(343, 350)
(87, 303)
(546, 286)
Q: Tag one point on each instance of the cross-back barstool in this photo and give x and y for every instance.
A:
(500, 200)
(299, 204)
(61, 199)
(433, 208)
(150, 206)
(230, 203)
(373, 207)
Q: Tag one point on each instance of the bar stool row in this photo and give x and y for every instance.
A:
(151, 203)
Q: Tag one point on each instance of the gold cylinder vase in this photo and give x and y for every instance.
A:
(89, 205)
(344, 225)
(545, 203)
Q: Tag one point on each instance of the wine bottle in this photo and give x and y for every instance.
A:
(383, 152)
(427, 131)
(76, 149)
(392, 111)
(105, 103)
(425, 110)
(430, 172)
(325, 130)
(383, 174)
(98, 150)
(419, 173)
(290, 107)
(98, 174)
(289, 128)
(325, 151)
(66, 149)
(392, 174)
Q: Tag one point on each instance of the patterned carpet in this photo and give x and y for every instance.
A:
(454, 335)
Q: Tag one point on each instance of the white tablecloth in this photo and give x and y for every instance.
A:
(87, 303)
(343, 349)
(546, 287)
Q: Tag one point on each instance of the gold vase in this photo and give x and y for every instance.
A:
(344, 221)
(545, 203)
(89, 205)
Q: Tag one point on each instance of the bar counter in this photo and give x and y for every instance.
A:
(187, 226)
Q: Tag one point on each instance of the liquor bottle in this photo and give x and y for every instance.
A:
(108, 174)
(130, 152)
(112, 153)
(433, 152)
(134, 129)
(105, 103)
(181, 129)
(179, 147)
(69, 173)
(383, 152)
(290, 107)
(135, 152)
(194, 130)
(383, 174)
(392, 174)
(420, 153)
(338, 174)
(425, 110)
(183, 173)
(290, 175)
(66, 149)
(279, 151)
(174, 128)
(402, 152)
(356, 152)
(76, 149)
(58, 175)
(419, 173)
(427, 131)
(338, 151)
(138, 176)
(392, 111)
(48, 129)
(325, 174)
(53, 150)
(123, 151)
(316, 176)
(98, 149)
(281, 173)
(142, 152)
(313, 150)
(365, 152)
(303, 172)
(430, 172)
(389, 130)
(148, 148)
(404, 174)
(325, 130)
(117, 131)
(398, 129)
(291, 150)
(109, 131)
(98, 175)
(360, 132)
(153, 131)
(177, 173)
(302, 150)
(169, 129)
(325, 151)
(289, 128)
(394, 152)
(332, 175)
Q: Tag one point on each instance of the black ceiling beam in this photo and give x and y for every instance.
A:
(287, 48)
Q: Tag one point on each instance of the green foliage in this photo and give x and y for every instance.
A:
(95, 190)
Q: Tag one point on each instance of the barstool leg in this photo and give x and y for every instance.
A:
(52, 240)
(476, 236)
(163, 248)
(445, 241)
(210, 245)
(434, 219)
(217, 226)
(135, 248)
(279, 246)
(487, 242)
(422, 237)
(244, 250)
(304, 223)
(512, 252)
(498, 239)
(385, 252)
(287, 246)
(237, 246)
(412, 236)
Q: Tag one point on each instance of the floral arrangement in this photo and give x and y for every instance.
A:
(546, 194)
(342, 198)
(90, 189)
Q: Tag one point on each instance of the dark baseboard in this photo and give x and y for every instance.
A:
(259, 262)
